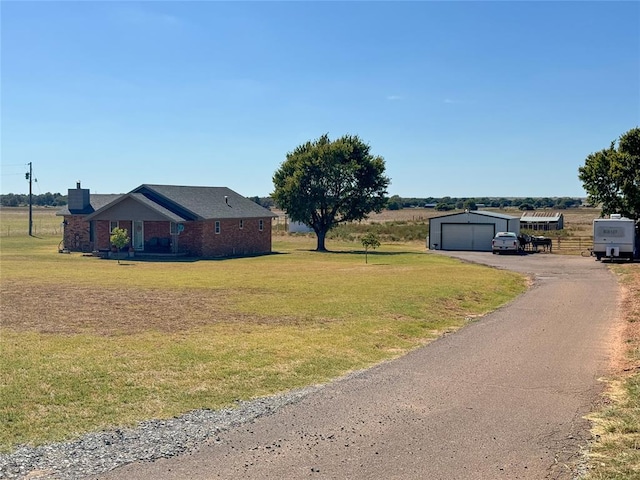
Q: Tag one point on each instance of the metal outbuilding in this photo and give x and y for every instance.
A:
(542, 221)
(471, 230)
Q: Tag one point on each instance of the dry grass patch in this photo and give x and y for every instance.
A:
(56, 309)
(616, 453)
(89, 344)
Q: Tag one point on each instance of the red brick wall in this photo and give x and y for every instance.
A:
(156, 229)
(76, 234)
(103, 232)
(102, 235)
(233, 240)
(190, 239)
(127, 225)
(198, 239)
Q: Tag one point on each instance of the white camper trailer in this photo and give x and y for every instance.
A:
(614, 237)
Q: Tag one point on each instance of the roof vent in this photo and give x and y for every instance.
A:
(616, 216)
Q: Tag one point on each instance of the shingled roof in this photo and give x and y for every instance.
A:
(201, 203)
(96, 202)
(180, 203)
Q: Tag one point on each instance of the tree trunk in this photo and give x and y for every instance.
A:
(321, 236)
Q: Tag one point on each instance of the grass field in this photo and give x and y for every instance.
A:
(88, 344)
(14, 221)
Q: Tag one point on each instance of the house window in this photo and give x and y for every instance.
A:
(173, 228)
(241, 224)
(113, 225)
(217, 226)
(261, 225)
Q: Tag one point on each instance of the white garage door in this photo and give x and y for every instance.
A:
(467, 236)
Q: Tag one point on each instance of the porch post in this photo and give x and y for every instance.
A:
(174, 243)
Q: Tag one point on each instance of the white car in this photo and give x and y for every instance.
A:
(505, 242)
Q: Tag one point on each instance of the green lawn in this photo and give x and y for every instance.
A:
(89, 344)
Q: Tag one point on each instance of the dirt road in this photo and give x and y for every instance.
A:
(503, 398)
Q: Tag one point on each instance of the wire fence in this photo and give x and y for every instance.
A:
(37, 230)
(14, 222)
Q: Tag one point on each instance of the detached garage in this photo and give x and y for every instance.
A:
(469, 230)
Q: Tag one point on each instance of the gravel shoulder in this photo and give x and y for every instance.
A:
(504, 397)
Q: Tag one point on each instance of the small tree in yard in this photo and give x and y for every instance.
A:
(119, 239)
(370, 240)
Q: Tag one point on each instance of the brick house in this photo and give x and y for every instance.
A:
(169, 219)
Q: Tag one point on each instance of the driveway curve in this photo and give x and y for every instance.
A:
(503, 398)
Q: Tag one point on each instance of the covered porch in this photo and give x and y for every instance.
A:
(152, 230)
(148, 236)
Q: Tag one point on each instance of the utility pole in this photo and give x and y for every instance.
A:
(29, 176)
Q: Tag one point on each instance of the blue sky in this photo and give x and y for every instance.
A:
(460, 98)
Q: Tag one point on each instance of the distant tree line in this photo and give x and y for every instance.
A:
(43, 199)
(393, 203)
(451, 203)
(454, 203)
(57, 200)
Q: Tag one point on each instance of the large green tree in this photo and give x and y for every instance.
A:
(611, 177)
(323, 183)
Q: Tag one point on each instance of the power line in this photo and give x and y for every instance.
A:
(13, 165)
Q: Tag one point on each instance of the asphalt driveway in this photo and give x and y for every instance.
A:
(503, 398)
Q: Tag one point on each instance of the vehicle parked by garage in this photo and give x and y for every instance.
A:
(506, 242)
